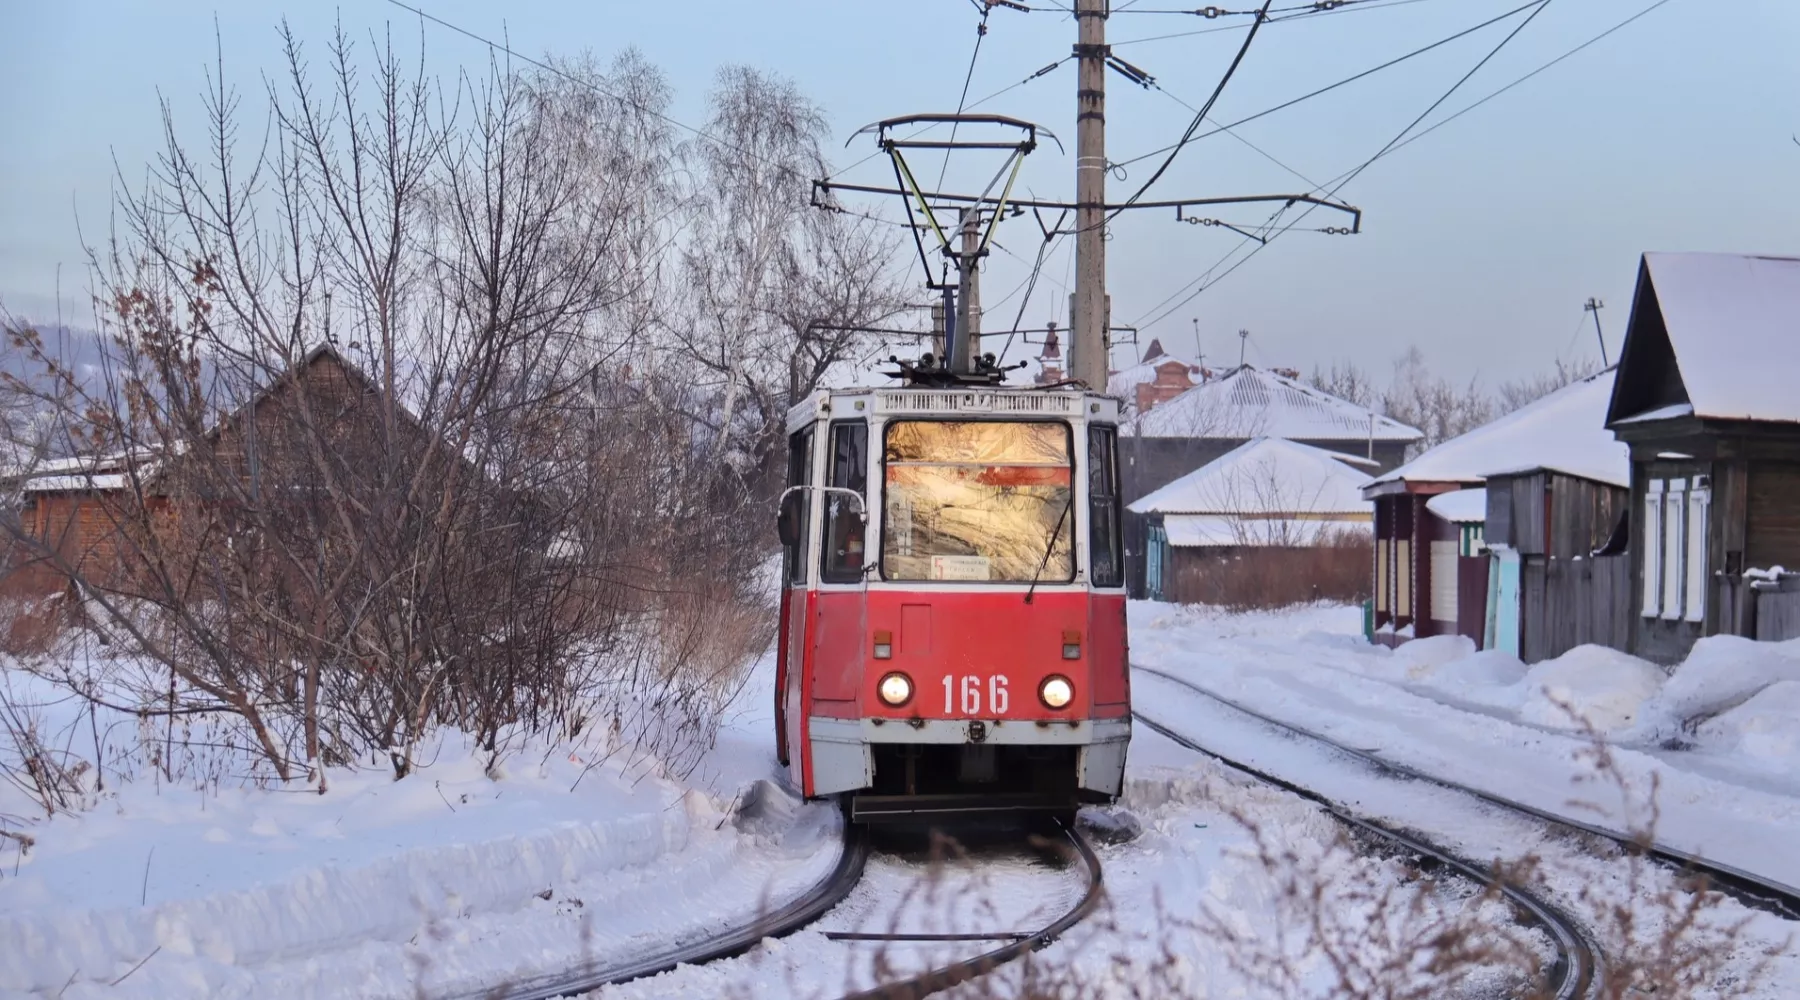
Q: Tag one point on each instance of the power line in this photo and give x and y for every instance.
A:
(591, 85)
(1265, 154)
(1345, 81)
(1205, 109)
(1213, 12)
(1440, 124)
(1273, 20)
(980, 33)
(1341, 180)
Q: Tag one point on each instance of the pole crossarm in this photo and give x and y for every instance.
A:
(826, 186)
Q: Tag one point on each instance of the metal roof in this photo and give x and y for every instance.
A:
(1249, 402)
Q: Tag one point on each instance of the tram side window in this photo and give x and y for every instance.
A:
(1107, 566)
(800, 474)
(843, 562)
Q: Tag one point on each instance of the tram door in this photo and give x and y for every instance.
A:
(792, 640)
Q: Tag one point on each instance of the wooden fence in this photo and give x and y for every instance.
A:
(1572, 602)
(1764, 610)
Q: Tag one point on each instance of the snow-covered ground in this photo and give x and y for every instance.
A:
(1198, 904)
(455, 880)
(1716, 739)
(452, 881)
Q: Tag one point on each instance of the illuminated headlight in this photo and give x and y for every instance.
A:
(1056, 692)
(895, 689)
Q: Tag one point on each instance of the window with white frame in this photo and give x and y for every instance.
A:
(1653, 547)
(1675, 548)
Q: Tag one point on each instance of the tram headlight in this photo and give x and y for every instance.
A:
(1056, 691)
(895, 689)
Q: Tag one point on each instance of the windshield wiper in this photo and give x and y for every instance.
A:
(1055, 533)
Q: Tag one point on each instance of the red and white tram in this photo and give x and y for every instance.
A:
(953, 615)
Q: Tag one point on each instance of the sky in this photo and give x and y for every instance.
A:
(1480, 242)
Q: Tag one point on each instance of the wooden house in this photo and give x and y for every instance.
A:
(80, 513)
(1270, 522)
(1708, 402)
(1221, 414)
(1514, 569)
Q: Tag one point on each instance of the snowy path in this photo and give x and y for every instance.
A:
(1580, 876)
(1321, 684)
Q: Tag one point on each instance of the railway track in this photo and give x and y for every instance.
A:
(819, 901)
(1015, 944)
(1748, 888)
(1578, 970)
(801, 912)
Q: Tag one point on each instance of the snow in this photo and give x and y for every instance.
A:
(1124, 382)
(1460, 506)
(1484, 719)
(1589, 688)
(1662, 413)
(1618, 900)
(460, 878)
(1763, 731)
(1564, 431)
(1249, 402)
(1734, 323)
(1721, 672)
(1265, 476)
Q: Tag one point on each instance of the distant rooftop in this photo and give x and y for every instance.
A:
(1265, 477)
(1250, 402)
(1564, 431)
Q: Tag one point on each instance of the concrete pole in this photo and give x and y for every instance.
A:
(1088, 346)
(968, 295)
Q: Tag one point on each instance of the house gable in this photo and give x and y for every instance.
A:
(1649, 377)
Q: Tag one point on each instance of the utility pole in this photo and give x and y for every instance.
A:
(1088, 336)
(1594, 306)
(1243, 342)
(967, 352)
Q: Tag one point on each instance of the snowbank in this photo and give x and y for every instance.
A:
(326, 909)
(466, 875)
(1764, 730)
(1721, 672)
(1589, 687)
(1490, 679)
(1729, 790)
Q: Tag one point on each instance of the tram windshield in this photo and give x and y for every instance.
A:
(978, 500)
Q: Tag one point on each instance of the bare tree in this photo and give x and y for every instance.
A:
(775, 289)
(1421, 398)
(378, 472)
(1519, 392)
(1347, 381)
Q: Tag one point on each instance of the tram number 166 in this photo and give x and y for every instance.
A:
(969, 688)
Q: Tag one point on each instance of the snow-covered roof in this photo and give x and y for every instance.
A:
(1124, 382)
(1564, 431)
(1208, 531)
(79, 472)
(1734, 323)
(1460, 506)
(1249, 402)
(1265, 476)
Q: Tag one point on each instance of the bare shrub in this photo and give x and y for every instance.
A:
(397, 429)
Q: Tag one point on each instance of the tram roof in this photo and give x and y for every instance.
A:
(997, 402)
